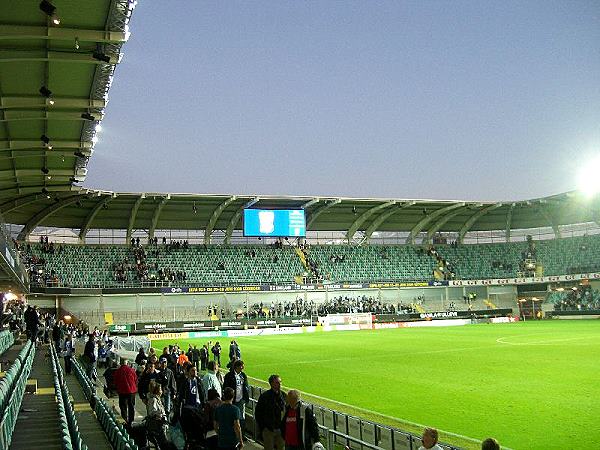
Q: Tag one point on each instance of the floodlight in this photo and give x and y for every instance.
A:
(101, 57)
(45, 139)
(588, 180)
(45, 170)
(87, 116)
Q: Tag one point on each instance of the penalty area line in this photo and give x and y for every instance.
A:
(375, 413)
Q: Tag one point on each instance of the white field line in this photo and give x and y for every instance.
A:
(502, 340)
(368, 411)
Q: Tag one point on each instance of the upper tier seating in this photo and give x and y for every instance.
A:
(97, 265)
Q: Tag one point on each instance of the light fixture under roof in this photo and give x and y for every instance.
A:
(45, 170)
(45, 92)
(50, 10)
(45, 139)
(87, 116)
(101, 57)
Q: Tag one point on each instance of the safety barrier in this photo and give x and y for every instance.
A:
(343, 429)
(116, 433)
(7, 338)
(68, 421)
(12, 388)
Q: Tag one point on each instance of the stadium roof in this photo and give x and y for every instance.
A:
(54, 82)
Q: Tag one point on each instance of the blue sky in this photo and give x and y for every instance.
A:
(424, 99)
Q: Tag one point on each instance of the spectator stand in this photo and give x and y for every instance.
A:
(12, 389)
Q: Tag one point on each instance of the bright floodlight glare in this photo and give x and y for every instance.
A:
(588, 180)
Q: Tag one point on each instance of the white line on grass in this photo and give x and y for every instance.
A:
(375, 413)
(502, 340)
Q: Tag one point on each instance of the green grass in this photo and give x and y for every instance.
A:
(531, 385)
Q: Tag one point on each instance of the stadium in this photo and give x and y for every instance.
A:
(389, 315)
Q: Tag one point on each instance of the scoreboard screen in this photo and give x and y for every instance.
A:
(274, 223)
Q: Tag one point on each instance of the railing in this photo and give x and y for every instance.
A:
(71, 437)
(115, 432)
(7, 338)
(340, 429)
(12, 388)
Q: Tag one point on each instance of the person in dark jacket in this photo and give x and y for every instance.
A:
(89, 356)
(268, 415)
(237, 380)
(57, 335)
(203, 357)
(216, 351)
(166, 378)
(141, 356)
(299, 427)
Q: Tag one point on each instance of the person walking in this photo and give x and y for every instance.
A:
(227, 423)
(69, 351)
(237, 380)
(268, 415)
(125, 381)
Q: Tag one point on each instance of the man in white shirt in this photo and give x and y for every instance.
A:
(430, 440)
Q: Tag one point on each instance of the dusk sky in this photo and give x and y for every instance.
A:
(421, 99)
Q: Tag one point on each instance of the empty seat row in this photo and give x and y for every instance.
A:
(12, 388)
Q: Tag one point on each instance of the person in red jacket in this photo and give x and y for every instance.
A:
(125, 381)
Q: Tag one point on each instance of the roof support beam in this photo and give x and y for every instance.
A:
(156, 216)
(92, 215)
(17, 56)
(29, 116)
(11, 205)
(317, 212)
(551, 220)
(35, 189)
(509, 221)
(215, 216)
(428, 218)
(440, 223)
(236, 218)
(474, 218)
(364, 216)
(383, 217)
(134, 211)
(84, 146)
(46, 212)
(21, 32)
(38, 102)
(309, 203)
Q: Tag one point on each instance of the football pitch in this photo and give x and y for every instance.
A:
(531, 385)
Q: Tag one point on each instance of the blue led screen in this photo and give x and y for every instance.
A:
(274, 222)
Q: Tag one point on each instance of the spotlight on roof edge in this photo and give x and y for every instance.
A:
(101, 57)
(49, 9)
(588, 181)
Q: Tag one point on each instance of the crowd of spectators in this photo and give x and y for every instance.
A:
(144, 271)
(337, 305)
(578, 298)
